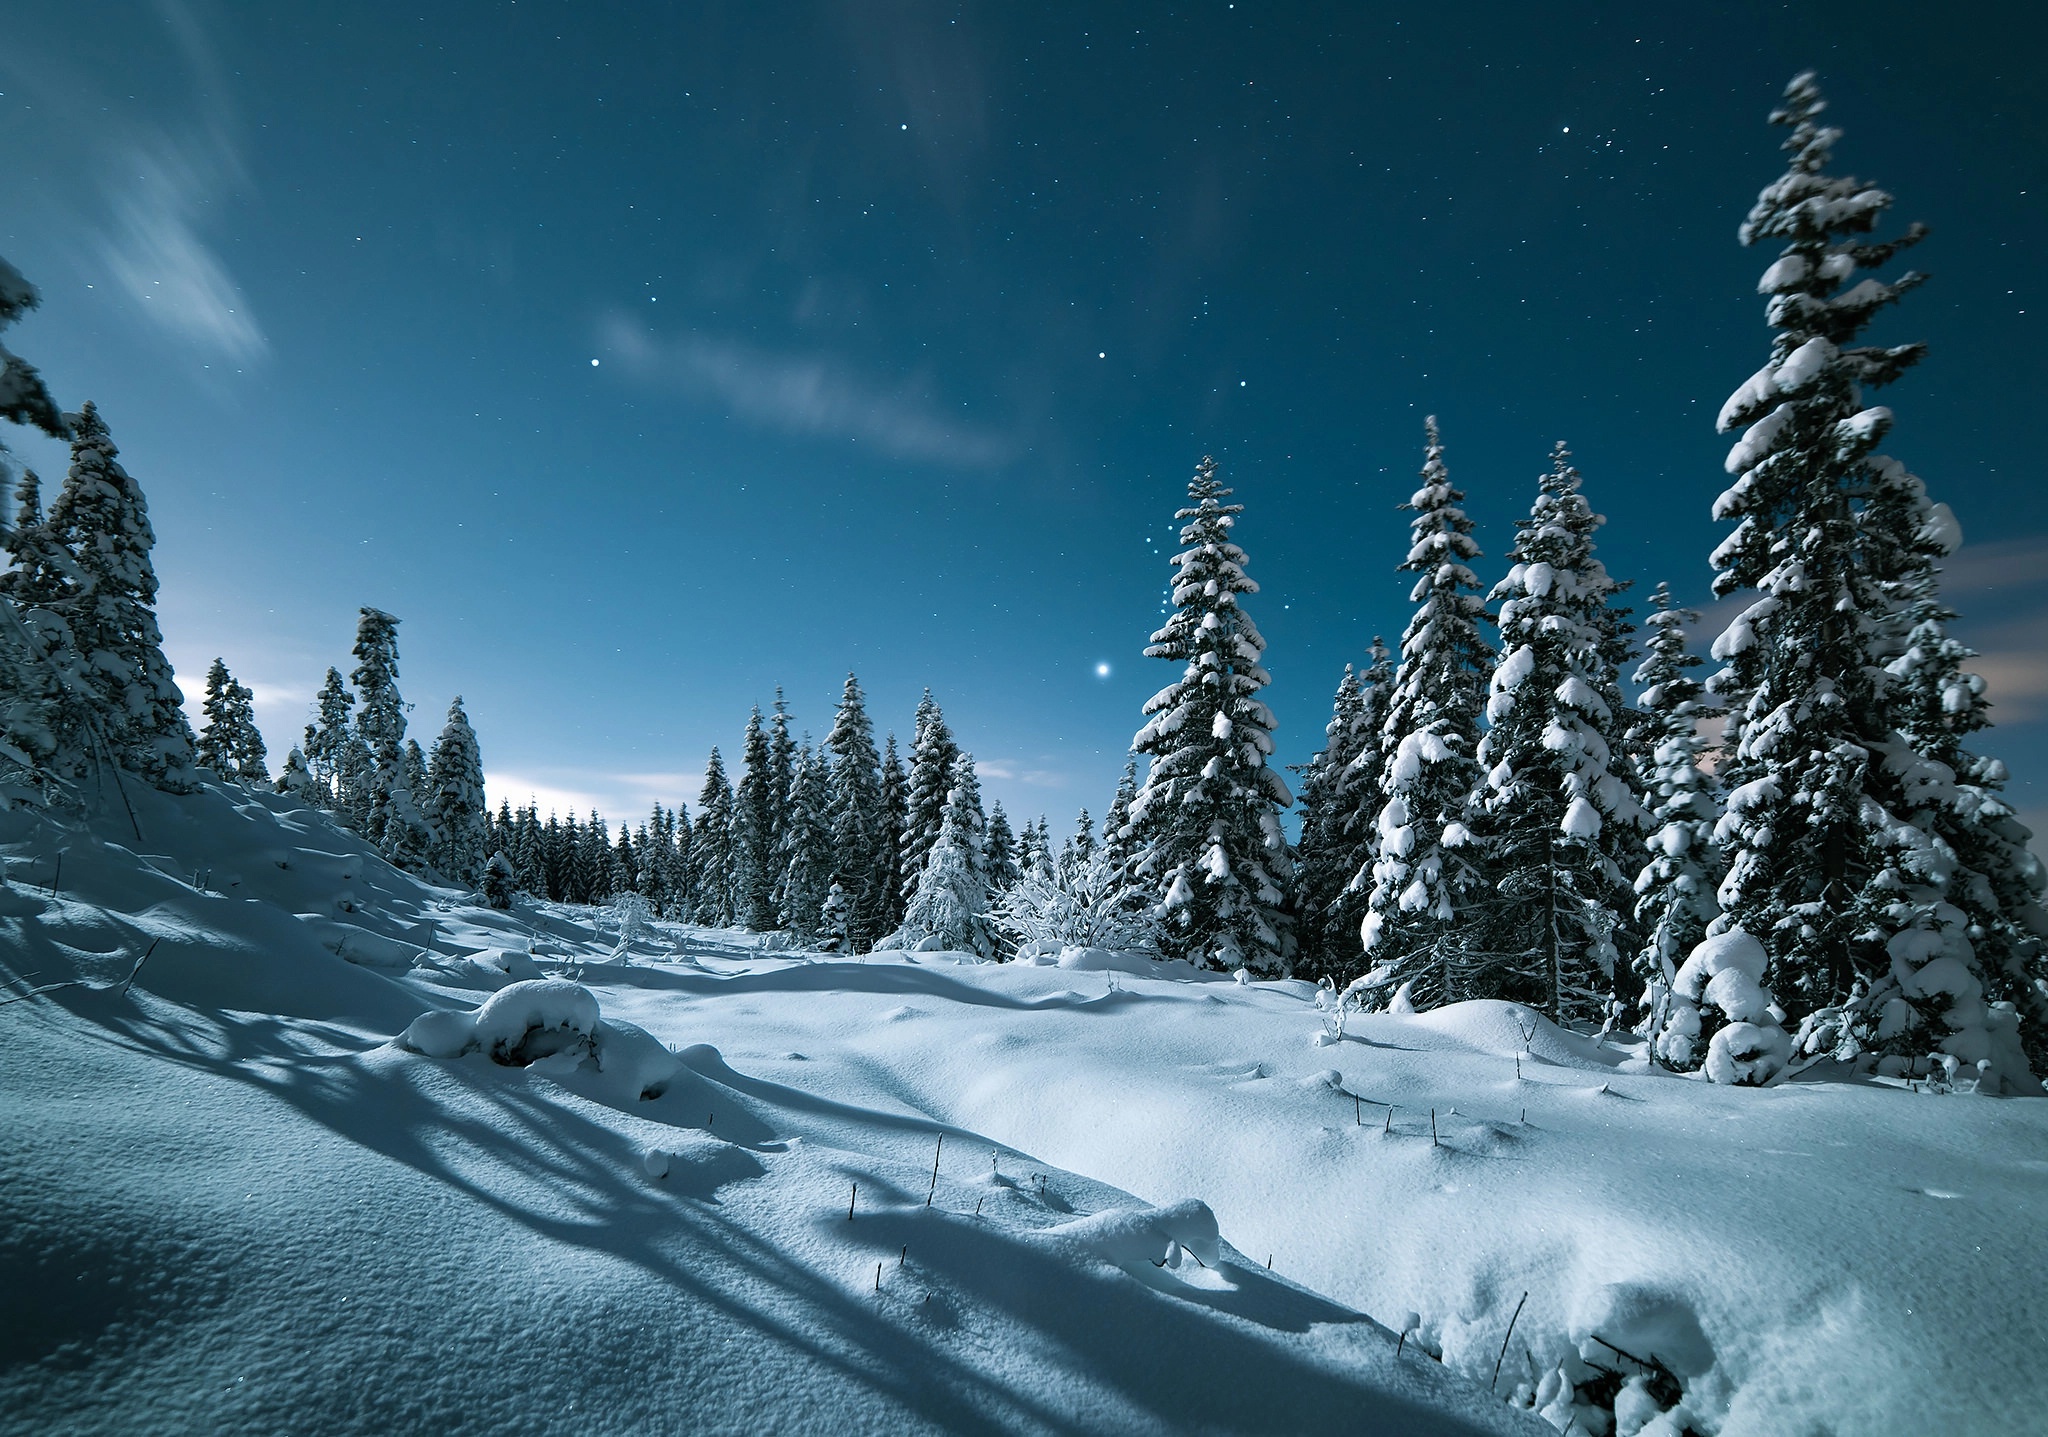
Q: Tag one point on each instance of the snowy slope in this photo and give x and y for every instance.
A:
(1817, 1257)
(228, 1202)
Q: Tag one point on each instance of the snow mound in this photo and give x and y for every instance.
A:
(1488, 1025)
(549, 1018)
(1136, 1237)
(534, 1019)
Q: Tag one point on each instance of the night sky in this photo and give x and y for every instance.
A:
(641, 358)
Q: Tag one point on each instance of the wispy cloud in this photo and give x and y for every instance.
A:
(1009, 772)
(137, 181)
(618, 796)
(153, 249)
(811, 394)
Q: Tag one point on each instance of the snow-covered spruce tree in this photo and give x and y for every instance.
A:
(1993, 895)
(932, 752)
(999, 851)
(298, 781)
(858, 819)
(682, 883)
(456, 803)
(1079, 849)
(230, 744)
(1428, 766)
(895, 799)
(498, 882)
(44, 717)
(781, 781)
(1119, 842)
(1675, 889)
(1318, 873)
(413, 765)
(391, 817)
(101, 522)
(24, 399)
(951, 904)
(1357, 796)
(1340, 800)
(806, 847)
(1558, 828)
(327, 737)
(713, 847)
(1213, 857)
(1826, 868)
(753, 841)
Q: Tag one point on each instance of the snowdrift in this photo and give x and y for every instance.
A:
(348, 1153)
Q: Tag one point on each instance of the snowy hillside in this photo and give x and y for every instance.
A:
(236, 1205)
(239, 1204)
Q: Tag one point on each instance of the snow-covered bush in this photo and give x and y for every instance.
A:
(1719, 996)
(629, 911)
(1084, 905)
(526, 1022)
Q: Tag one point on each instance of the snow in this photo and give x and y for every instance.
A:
(247, 1203)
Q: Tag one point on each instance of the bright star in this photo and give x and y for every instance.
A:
(1102, 670)
(593, 364)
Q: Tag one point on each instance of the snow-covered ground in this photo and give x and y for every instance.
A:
(231, 1199)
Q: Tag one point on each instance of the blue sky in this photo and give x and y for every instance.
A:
(910, 322)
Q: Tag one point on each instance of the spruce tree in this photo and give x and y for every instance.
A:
(1555, 820)
(101, 522)
(1995, 883)
(1214, 859)
(1827, 867)
(390, 818)
(1675, 889)
(230, 744)
(683, 870)
(858, 819)
(807, 846)
(781, 780)
(754, 809)
(713, 847)
(456, 804)
(1427, 756)
(327, 738)
(951, 903)
(932, 752)
(39, 707)
(413, 764)
(1358, 794)
(1119, 841)
(999, 851)
(1082, 845)
(298, 781)
(24, 398)
(895, 798)
(1323, 857)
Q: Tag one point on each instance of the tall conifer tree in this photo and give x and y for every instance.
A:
(858, 820)
(754, 808)
(713, 847)
(1427, 753)
(1675, 889)
(1214, 858)
(1556, 822)
(932, 751)
(1831, 862)
(101, 522)
(456, 804)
